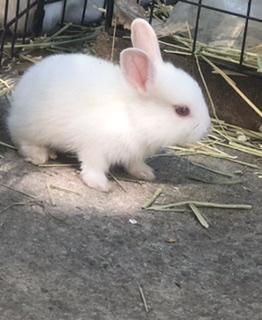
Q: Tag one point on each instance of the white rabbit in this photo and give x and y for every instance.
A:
(53, 13)
(107, 114)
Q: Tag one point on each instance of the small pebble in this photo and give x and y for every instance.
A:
(171, 240)
(242, 138)
(133, 221)
(239, 172)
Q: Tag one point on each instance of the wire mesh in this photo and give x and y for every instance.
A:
(201, 6)
(21, 20)
(25, 19)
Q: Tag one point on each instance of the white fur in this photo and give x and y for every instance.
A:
(82, 104)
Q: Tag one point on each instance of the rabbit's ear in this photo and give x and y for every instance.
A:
(143, 37)
(137, 68)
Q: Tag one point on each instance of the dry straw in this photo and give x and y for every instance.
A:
(194, 206)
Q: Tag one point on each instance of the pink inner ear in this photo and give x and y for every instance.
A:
(137, 68)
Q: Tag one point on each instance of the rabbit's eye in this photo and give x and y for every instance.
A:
(182, 111)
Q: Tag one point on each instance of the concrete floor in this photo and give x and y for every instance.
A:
(81, 258)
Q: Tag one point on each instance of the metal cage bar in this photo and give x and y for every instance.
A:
(245, 33)
(84, 12)
(3, 34)
(15, 28)
(151, 11)
(26, 20)
(109, 14)
(6, 12)
(196, 25)
(63, 11)
(38, 18)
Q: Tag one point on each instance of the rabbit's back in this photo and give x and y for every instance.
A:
(63, 95)
(68, 74)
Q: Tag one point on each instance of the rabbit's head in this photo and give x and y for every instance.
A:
(178, 99)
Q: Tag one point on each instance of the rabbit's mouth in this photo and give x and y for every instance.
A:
(196, 134)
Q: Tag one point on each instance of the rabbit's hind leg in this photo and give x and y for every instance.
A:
(34, 153)
(93, 170)
(141, 170)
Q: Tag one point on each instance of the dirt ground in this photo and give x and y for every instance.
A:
(76, 255)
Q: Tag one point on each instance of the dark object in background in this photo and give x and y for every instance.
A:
(38, 18)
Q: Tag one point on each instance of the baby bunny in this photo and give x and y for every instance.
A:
(107, 114)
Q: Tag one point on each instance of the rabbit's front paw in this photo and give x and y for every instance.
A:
(142, 171)
(96, 180)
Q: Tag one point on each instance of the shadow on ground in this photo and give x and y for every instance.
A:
(81, 258)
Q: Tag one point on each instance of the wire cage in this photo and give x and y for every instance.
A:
(236, 27)
(25, 19)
